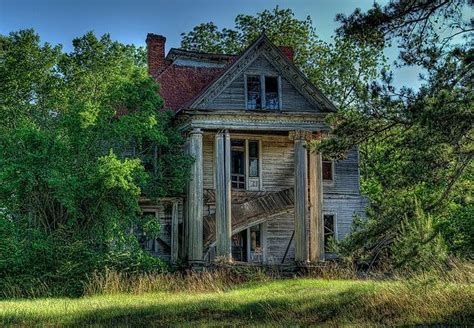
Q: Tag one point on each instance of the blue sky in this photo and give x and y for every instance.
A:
(129, 21)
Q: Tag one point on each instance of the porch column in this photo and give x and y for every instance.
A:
(301, 197)
(316, 222)
(174, 232)
(223, 196)
(195, 199)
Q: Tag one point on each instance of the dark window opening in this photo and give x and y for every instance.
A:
(253, 159)
(239, 246)
(329, 231)
(328, 170)
(146, 243)
(238, 164)
(254, 95)
(271, 93)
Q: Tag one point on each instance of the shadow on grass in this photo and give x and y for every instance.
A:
(300, 307)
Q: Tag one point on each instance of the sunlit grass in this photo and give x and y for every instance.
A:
(277, 302)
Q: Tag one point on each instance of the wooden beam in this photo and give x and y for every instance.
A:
(174, 232)
(301, 198)
(316, 222)
(223, 196)
(195, 199)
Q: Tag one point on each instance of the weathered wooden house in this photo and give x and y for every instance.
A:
(257, 194)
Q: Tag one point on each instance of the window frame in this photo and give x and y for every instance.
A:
(263, 99)
(329, 182)
(246, 138)
(335, 229)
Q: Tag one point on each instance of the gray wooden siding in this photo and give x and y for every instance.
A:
(277, 163)
(344, 207)
(208, 160)
(279, 231)
(233, 97)
(346, 174)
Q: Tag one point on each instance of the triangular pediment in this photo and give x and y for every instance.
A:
(227, 92)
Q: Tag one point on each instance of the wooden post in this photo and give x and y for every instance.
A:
(223, 196)
(195, 199)
(316, 224)
(301, 198)
(174, 232)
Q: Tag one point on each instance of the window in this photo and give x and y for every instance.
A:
(245, 166)
(271, 92)
(254, 93)
(329, 230)
(146, 243)
(238, 164)
(253, 159)
(263, 92)
(328, 170)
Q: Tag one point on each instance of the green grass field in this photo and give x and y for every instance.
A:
(279, 302)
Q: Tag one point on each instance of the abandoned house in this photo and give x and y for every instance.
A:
(256, 193)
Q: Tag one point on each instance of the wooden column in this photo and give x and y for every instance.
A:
(195, 199)
(301, 197)
(316, 222)
(174, 232)
(223, 196)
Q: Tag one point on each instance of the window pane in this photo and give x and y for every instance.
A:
(237, 162)
(327, 170)
(253, 148)
(271, 92)
(253, 167)
(328, 230)
(253, 92)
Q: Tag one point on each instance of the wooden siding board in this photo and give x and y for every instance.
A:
(233, 97)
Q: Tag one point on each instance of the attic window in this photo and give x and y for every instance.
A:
(254, 100)
(263, 92)
(271, 92)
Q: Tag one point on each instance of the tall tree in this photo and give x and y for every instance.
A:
(417, 145)
(69, 180)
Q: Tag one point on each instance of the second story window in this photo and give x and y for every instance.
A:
(254, 92)
(263, 92)
(328, 171)
(271, 93)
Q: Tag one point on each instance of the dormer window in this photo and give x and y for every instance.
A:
(263, 92)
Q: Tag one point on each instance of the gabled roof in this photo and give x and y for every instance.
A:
(192, 79)
(263, 46)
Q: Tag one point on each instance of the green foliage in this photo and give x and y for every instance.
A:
(340, 68)
(418, 245)
(69, 194)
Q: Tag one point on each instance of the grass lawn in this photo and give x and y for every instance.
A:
(277, 302)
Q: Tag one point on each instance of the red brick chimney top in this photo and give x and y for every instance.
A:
(155, 53)
(287, 51)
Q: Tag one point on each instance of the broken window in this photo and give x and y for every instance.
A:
(271, 93)
(238, 164)
(254, 93)
(253, 159)
(329, 231)
(328, 170)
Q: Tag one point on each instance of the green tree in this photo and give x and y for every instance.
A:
(80, 135)
(341, 68)
(414, 143)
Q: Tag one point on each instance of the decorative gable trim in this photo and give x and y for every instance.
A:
(263, 46)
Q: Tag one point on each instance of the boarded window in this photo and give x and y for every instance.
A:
(271, 93)
(254, 95)
(329, 231)
(328, 173)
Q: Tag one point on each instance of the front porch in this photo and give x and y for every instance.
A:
(243, 182)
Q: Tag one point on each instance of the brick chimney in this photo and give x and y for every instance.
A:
(156, 53)
(287, 51)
